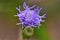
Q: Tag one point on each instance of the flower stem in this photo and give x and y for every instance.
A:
(20, 37)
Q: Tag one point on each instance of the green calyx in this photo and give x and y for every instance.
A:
(28, 31)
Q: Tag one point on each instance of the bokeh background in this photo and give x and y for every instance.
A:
(50, 30)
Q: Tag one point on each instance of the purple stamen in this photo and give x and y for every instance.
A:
(30, 17)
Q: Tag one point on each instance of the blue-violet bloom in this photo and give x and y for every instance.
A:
(30, 16)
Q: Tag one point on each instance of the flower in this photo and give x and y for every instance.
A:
(30, 16)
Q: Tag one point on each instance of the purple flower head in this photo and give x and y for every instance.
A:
(30, 16)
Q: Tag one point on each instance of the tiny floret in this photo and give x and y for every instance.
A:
(30, 16)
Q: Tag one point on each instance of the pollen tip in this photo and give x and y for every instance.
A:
(18, 23)
(15, 15)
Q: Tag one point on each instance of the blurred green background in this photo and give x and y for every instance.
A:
(8, 28)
